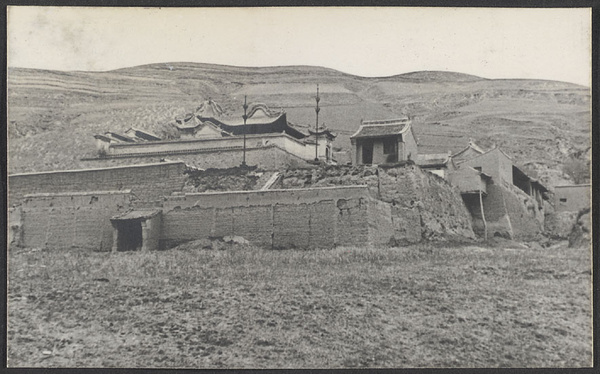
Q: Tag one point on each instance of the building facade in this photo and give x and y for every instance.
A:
(383, 142)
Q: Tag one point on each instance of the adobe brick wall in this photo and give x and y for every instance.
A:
(473, 205)
(496, 215)
(268, 158)
(80, 220)
(511, 213)
(423, 205)
(381, 223)
(577, 197)
(147, 182)
(526, 219)
(309, 218)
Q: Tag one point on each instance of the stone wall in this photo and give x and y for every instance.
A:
(308, 218)
(147, 181)
(80, 220)
(423, 205)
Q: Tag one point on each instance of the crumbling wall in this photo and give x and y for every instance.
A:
(232, 179)
(526, 218)
(511, 213)
(580, 235)
(309, 218)
(147, 182)
(426, 203)
(422, 205)
(80, 220)
(473, 204)
(496, 215)
(558, 225)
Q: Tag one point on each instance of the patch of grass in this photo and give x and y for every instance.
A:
(244, 307)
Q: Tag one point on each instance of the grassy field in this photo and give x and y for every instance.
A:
(496, 305)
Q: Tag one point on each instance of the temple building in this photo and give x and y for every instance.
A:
(383, 142)
(209, 130)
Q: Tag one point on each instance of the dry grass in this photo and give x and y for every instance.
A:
(420, 306)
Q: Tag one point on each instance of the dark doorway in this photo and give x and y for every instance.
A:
(521, 180)
(367, 152)
(129, 235)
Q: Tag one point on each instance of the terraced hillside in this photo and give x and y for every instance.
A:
(53, 115)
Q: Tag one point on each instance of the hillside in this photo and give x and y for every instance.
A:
(53, 114)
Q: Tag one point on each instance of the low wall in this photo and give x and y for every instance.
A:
(572, 198)
(307, 218)
(147, 181)
(80, 220)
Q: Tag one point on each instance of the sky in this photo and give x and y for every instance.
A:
(553, 44)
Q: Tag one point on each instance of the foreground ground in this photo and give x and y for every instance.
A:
(471, 306)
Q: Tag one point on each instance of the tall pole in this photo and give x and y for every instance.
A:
(245, 117)
(317, 109)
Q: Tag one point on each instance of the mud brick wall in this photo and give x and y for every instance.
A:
(426, 202)
(147, 182)
(473, 205)
(268, 158)
(572, 198)
(511, 213)
(309, 218)
(380, 222)
(526, 219)
(496, 216)
(423, 205)
(80, 220)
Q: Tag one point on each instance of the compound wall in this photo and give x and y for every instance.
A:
(80, 220)
(422, 205)
(306, 218)
(572, 198)
(147, 181)
(511, 213)
(267, 158)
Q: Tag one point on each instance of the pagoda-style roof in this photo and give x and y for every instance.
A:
(260, 120)
(142, 134)
(323, 132)
(470, 151)
(433, 160)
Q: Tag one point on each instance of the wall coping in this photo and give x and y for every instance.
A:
(98, 169)
(328, 188)
(574, 185)
(77, 193)
(205, 140)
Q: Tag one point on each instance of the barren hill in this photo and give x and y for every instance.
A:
(53, 114)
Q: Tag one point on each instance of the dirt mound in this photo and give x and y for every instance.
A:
(559, 225)
(224, 243)
(580, 235)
